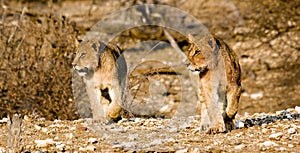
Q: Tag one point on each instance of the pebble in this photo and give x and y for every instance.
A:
(292, 131)
(37, 127)
(81, 128)
(276, 136)
(59, 145)
(93, 140)
(3, 120)
(88, 148)
(156, 142)
(256, 95)
(45, 130)
(291, 145)
(268, 144)
(44, 143)
(132, 137)
(2, 149)
(240, 124)
(241, 146)
(297, 109)
(182, 151)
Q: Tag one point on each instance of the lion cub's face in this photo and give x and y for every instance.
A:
(203, 57)
(196, 60)
(86, 59)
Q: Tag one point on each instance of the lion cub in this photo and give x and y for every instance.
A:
(103, 69)
(218, 75)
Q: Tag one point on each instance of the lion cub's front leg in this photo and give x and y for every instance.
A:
(95, 97)
(211, 107)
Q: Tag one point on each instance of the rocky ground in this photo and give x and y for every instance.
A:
(264, 132)
(38, 40)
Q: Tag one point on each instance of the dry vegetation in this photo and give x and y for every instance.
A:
(36, 55)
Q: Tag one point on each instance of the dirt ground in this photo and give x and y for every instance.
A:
(38, 41)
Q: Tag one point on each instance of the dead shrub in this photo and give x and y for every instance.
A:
(36, 52)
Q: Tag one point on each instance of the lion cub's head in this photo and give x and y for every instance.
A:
(87, 57)
(203, 53)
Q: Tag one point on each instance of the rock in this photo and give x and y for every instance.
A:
(45, 130)
(59, 145)
(93, 140)
(156, 142)
(241, 146)
(268, 144)
(291, 145)
(182, 151)
(276, 136)
(81, 128)
(44, 143)
(37, 127)
(88, 148)
(264, 131)
(256, 95)
(3, 120)
(240, 124)
(291, 130)
(297, 109)
(132, 137)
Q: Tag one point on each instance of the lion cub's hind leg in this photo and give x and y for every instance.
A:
(114, 109)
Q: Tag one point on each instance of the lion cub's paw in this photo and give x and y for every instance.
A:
(219, 127)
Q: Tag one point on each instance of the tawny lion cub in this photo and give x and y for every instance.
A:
(219, 80)
(104, 72)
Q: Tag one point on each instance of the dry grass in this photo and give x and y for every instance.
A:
(36, 52)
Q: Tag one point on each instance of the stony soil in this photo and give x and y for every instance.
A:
(263, 132)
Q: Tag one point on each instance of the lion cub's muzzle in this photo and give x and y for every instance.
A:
(81, 71)
(194, 68)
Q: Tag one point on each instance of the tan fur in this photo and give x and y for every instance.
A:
(219, 81)
(104, 73)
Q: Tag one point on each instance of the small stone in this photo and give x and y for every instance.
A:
(256, 95)
(156, 142)
(264, 131)
(268, 144)
(93, 140)
(292, 131)
(276, 136)
(297, 109)
(182, 151)
(57, 121)
(69, 135)
(280, 149)
(37, 127)
(173, 130)
(44, 130)
(291, 145)
(4, 120)
(44, 143)
(240, 124)
(241, 146)
(90, 148)
(81, 128)
(133, 137)
(59, 145)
